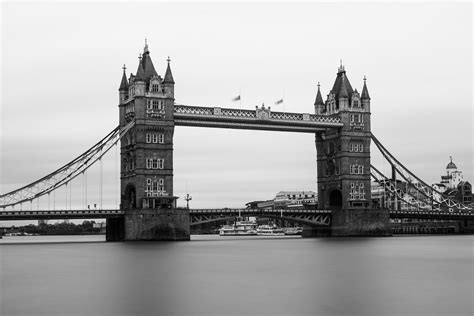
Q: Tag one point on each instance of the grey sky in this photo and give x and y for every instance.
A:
(61, 68)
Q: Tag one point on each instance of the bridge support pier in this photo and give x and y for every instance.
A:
(466, 227)
(312, 231)
(114, 230)
(156, 224)
(360, 222)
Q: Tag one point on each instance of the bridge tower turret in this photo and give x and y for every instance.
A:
(343, 157)
(319, 106)
(123, 89)
(146, 152)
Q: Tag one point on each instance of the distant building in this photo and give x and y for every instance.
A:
(453, 176)
(287, 199)
(451, 186)
(462, 193)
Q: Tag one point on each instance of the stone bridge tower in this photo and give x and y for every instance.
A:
(343, 158)
(146, 153)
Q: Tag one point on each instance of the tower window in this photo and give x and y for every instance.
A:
(155, 88)
(154, 163)
(161, 138)
(148, 138)
(154, 187)
(356, 169)
(356, 147)
(155, 138)
(357, 191)
(157, 105)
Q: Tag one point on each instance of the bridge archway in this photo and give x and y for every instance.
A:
(335, 199)
(130, 197)
(300, 221)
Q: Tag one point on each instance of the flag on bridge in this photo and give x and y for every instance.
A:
(279, 101)
(237, 98)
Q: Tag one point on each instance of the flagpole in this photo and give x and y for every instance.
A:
(283, 100)
(240, 98)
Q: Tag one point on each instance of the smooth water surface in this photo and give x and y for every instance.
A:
(212, 275)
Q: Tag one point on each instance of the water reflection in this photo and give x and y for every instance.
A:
(212, 275)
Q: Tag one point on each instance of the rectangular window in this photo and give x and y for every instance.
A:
(154, 163)
(148, 187)
(361, 147)
(148, 138)
(154, 88)
(161, 163)
(155, 138)
(161, 138)
(149, 105)
(351, 147)
(158, 105)
(148, 163)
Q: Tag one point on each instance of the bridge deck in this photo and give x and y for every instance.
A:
(227, 212)
(258, 119)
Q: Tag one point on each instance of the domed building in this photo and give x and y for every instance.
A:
(453, 177)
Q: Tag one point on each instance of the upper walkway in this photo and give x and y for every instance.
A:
(258, 119)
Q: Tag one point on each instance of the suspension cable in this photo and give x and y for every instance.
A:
(66, 173)
(100, 182)
(427, 190)
(116, 175)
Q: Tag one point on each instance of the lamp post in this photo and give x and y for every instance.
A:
(187, 198)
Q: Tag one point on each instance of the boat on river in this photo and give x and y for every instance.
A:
(293, 231)
(269, 230)
(239, 228)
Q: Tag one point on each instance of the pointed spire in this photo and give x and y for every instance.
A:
(365, 92)
(341, 67)
(145, 49)
(342, 87)
(168, 74)
(147, 64)
(319, 98)
(140, 76)
(343, 93)
(124, 82)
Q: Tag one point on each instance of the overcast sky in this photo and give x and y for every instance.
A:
(61, 68)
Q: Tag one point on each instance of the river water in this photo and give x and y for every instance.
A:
(212, 275)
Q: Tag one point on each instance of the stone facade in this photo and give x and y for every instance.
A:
(147, 150)
(343, 158)
(157, 224)
(343, 155)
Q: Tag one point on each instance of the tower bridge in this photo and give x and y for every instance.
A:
(148, 116)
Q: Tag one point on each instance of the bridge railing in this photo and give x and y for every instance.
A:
(230, 113)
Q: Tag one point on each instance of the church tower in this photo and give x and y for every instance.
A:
(343, 154)
(146, 151)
